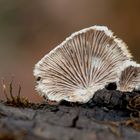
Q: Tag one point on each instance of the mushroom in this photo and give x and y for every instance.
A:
(82, 64)
(130, 77)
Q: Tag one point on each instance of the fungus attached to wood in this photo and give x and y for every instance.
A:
(130, 78)
(82, 64)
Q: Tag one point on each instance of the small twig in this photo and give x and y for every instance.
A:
(11, 89)
(4, 89)
(19, 91)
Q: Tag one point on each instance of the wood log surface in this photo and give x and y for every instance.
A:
(109, 115)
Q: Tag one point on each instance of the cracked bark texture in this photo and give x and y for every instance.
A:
(92, 121)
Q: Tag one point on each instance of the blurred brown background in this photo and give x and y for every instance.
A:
(31, 28)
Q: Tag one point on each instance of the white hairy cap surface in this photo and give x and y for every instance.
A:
(130, 77)
(82, 64)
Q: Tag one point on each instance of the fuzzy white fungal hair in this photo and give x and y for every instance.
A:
(130, 77)
(82, 64)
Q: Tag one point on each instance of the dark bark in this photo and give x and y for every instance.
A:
(110, 115)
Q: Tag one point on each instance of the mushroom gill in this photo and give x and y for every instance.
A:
(82, 64)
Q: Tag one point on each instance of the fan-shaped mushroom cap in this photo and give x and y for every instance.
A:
(84, 63)
(130, 77)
